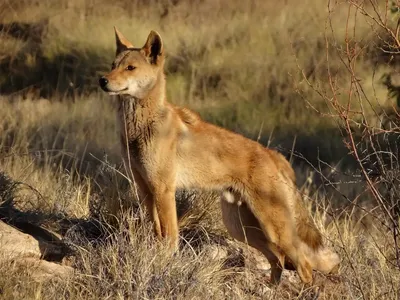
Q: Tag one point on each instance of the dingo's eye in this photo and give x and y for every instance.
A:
(130, 68)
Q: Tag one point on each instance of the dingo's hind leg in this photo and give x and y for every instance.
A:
(244, 227)
(277, 222)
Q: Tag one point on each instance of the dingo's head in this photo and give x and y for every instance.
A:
(135, 70)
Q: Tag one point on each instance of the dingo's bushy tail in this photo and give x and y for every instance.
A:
(322, 258)
(306, 228)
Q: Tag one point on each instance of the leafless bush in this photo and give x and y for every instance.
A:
(372, 139)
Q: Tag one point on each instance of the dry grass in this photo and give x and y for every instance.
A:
(250, 66)
(128, 262)
(236, 63)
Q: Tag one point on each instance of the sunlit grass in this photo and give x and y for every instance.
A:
(253, 67)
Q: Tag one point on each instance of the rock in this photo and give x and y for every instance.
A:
(26, 252)
(216, 252)
(15, 244)
(40, 269)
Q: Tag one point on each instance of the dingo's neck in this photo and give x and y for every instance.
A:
(136, 115)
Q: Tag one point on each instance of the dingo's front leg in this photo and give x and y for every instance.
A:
(146, 197)
(159, 199)
(164, 201)
(152, 210)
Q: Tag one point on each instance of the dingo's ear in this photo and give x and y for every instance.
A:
(121, 41)
(153, 47)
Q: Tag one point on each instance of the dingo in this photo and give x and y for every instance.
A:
(168, 147)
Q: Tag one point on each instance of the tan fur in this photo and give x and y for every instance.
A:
(306, 229)
(167, 147)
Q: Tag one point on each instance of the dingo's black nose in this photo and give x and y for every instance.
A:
(103, 81)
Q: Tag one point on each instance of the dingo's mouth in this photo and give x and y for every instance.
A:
(117, 92)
